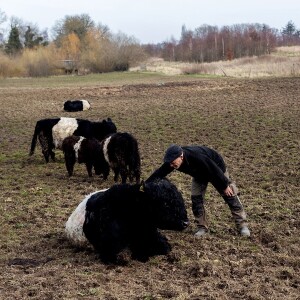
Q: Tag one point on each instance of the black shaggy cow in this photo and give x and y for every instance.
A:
(82, 150)
(128, 216)
(52, 132)
(76, 105)
(121, 154)
(118, 151)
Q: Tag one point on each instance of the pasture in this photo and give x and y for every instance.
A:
(253, 123)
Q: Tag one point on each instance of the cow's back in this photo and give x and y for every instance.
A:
(64, 128)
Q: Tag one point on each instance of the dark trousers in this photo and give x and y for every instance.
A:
(198, 202)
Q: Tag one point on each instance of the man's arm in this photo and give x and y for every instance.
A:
(215, 175)
(160, 173)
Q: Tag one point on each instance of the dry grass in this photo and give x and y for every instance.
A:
(284, 62)
(288, 51)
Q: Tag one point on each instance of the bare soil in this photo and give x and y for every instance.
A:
(254, 124)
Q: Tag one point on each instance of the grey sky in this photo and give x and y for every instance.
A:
(156, 20)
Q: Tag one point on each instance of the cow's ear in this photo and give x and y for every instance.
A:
(142, 186)
(109, 120)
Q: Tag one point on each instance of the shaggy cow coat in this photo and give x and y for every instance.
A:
(121, 154)
(52, 132)
(119, 151)
(82, 150)
(76, 105)
(128, 216)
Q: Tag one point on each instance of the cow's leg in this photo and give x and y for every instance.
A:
(159, 245)
(51, 147)
(154, 243)
(52, 155)
(117, 173)
(107, 240)
(105, 172)
(109, 253)
(137, 175)
(46, 155)
(124, 173)
(89, 167)
(130, 174)
(45, 146)
(70, 160)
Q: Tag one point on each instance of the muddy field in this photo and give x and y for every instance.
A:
(254, 124)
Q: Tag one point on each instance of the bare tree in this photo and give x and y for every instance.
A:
(3, 18)
(78, 24)
(128, 51)
(209, 43)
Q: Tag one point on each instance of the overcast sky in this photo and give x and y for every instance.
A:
(154, 21)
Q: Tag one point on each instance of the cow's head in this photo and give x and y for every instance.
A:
(67, 104)
(168, 205)
(103, 129)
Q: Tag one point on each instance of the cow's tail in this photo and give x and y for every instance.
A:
(34, 138)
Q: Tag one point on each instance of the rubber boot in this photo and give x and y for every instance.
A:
(238, 214)
(200, 215)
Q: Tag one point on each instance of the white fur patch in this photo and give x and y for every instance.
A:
(85, 105)
(74, 225)
(77, 146)
(105, 145)
(64, 128)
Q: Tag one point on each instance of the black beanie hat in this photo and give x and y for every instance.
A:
(173, 152)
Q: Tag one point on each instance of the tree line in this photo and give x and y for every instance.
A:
(91, 47)
(210, 43)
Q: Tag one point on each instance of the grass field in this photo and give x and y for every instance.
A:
(253, 123)
(284, 62)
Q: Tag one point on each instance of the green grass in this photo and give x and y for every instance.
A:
(103, 79)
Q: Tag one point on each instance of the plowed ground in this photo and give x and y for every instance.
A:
(254, 124)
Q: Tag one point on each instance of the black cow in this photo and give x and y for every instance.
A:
(128, 216)
(76, 105)
(121, 154)
(82, 150)
(52, 132)
(118, 151)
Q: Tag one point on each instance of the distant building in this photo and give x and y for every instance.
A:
(69, 66)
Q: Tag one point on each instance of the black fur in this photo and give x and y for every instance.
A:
(74, 105)
(86, 128)
(130, 215)
(123, 157)
(89, 153)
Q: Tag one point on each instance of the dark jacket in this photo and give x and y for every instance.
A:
(200, 162)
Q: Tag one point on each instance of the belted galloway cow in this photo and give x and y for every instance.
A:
(128, 216)
(52, 132)
(76, 105)
(119, 151)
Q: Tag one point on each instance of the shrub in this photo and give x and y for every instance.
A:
(9, 67)
(198, 69)
(5, 65)
(39, 62)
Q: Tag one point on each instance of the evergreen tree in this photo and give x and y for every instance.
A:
(290, 35)
(31, 39)
(14, 44)
(289, 30)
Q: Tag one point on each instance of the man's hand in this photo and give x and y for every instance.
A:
(228, 192)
